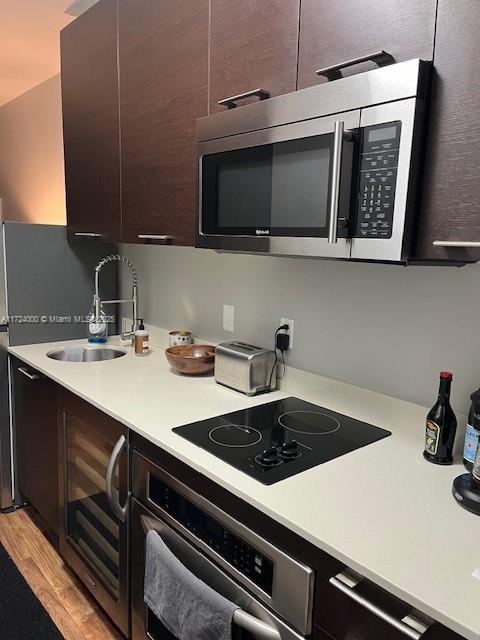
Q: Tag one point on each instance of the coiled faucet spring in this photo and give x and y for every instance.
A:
(134, 299)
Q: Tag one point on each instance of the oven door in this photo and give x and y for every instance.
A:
(282, 190)
(255, 622)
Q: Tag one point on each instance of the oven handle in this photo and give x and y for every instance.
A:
(242, 619)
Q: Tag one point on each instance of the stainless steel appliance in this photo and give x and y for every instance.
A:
(245, 368)
(273, 590)
(45, 289)
(331, 171)
(276, 440)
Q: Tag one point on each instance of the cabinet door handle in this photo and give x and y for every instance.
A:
(346, 583)
(455, 243)
(152, 236)
(381, 58)
(87, 234)
(112, 494)
(231, 102)
(30, 375)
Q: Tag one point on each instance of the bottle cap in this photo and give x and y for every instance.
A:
(446, 375)
(475, 397)
(141, 326)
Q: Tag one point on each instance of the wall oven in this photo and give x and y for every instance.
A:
(274, 592)
(330, 171)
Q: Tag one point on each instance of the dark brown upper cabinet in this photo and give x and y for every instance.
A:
(253, 45)
(451, 194)
(91, 123)
(334, 32)
(163, 52)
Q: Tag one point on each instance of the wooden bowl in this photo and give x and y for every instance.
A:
(191, 359)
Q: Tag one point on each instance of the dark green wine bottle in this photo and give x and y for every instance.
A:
(441, 425)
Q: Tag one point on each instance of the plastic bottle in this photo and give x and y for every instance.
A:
(141, 340)
(97, 327)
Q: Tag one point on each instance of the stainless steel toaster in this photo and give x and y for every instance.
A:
(245, 368)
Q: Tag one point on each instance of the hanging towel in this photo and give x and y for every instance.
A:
(186, 606)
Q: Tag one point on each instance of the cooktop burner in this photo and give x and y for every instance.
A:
(234, 435)
(309, 423)
(276, 440)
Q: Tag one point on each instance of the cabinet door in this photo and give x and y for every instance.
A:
(451, 193)
(93, 539)
(36, 441)
(333, 32)
(347, 606)
(91, 123)
(253, 45)
(163, 89)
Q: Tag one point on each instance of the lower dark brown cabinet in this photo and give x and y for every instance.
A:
(36, 441)
(93, 493)
(348, 606)
(318, 634)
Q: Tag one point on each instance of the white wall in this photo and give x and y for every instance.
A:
(386, 328)
(32, 180)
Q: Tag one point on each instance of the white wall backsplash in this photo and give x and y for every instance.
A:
(386, 328)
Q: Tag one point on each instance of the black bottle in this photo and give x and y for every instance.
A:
(472, 432)
(441, 425)
(466, 488)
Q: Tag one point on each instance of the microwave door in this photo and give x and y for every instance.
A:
(282, 191)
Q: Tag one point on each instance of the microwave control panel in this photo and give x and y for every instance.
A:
(238, 553)
(378, 178)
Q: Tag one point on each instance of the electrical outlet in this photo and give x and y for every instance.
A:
(228, 317)
(291, 327)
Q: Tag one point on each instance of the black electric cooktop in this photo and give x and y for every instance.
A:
(274, 441)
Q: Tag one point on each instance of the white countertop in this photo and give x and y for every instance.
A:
(382, 510)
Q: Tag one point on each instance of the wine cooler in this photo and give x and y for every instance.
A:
(94, 503)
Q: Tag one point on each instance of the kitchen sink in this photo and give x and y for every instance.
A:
(85, 354)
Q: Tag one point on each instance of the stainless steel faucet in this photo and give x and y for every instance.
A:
(97, 303)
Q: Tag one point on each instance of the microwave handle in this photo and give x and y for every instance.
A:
(381, 58)
(242, 619)
(338, 137)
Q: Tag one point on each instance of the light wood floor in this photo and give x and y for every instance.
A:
(69, 605)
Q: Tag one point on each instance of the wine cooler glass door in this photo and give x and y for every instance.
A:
(91, 525)
(95, 538)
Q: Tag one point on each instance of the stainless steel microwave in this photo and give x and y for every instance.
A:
(331, 171)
